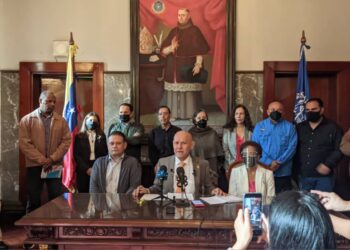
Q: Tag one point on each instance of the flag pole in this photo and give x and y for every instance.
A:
(302, 86)
(70, 114)
(71, 42)
(303, 41)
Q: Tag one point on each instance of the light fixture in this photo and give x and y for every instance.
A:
(60, 48)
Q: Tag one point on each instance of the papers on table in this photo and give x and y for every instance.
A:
(149, 197)
(180, 196)
(214, 200)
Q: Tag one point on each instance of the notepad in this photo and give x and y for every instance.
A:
(149, 197)
(215, 200)
(54, 172)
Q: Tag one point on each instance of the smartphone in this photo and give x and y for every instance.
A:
(253, 201)
(198, 203)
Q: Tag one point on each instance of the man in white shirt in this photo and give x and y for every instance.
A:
(116, 172)
(199, 177)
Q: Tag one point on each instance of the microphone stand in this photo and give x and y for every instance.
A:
(183, 202)
(162, 196)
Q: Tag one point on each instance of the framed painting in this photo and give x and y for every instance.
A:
(182, 56)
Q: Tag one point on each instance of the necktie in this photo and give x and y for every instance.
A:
(180, 165)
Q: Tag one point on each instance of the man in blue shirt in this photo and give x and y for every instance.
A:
(278, 139)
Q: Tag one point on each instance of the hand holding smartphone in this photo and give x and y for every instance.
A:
(253, 201)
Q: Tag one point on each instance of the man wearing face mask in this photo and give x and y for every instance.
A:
(318, 148)
(250, 175)
(133, 131)
(278, 139)
(89, 144)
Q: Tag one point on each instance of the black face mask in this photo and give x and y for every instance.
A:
(249, 161)
(202, 123)
(91, 125)
(275, 115)
(313, 116)
(124, 118)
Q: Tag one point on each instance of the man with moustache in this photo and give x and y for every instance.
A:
(318, 150)
(199, 176)
(278, 140)
(44, 138)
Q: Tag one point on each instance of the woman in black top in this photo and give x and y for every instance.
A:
(208, 146)
(89, 144)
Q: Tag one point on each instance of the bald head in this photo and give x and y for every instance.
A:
(275, 111)
(183, 144)
(45, 94)
(275, 106)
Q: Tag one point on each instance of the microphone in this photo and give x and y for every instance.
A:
(181, 178)
(181, 183)
(162, 173)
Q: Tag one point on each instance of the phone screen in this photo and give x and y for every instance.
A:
(253, 201)
(198, 203)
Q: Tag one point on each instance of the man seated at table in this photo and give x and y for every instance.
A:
(115, 172)
(199, 177)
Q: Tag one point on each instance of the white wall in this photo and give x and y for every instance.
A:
(266, 30)
(1, 32)
(100, 28)
(270, 30)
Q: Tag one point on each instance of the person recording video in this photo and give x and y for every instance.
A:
(296, 220)
(199, 177)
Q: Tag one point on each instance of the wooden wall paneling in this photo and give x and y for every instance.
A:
(328, 80)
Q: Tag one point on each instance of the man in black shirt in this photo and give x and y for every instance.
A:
(318, 148)
(161, 137)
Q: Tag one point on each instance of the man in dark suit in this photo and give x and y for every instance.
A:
(199, 177)
(116, 172)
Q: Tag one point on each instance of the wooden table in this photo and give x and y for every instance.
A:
(105, 221)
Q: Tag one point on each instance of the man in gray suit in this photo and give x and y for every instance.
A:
(199, 177)
(116, 172)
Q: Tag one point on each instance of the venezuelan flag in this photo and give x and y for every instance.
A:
(70, 113)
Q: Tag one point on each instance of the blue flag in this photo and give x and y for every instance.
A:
(302, 91)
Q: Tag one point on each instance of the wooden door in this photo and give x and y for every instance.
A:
(31, 84)
(329, 81)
